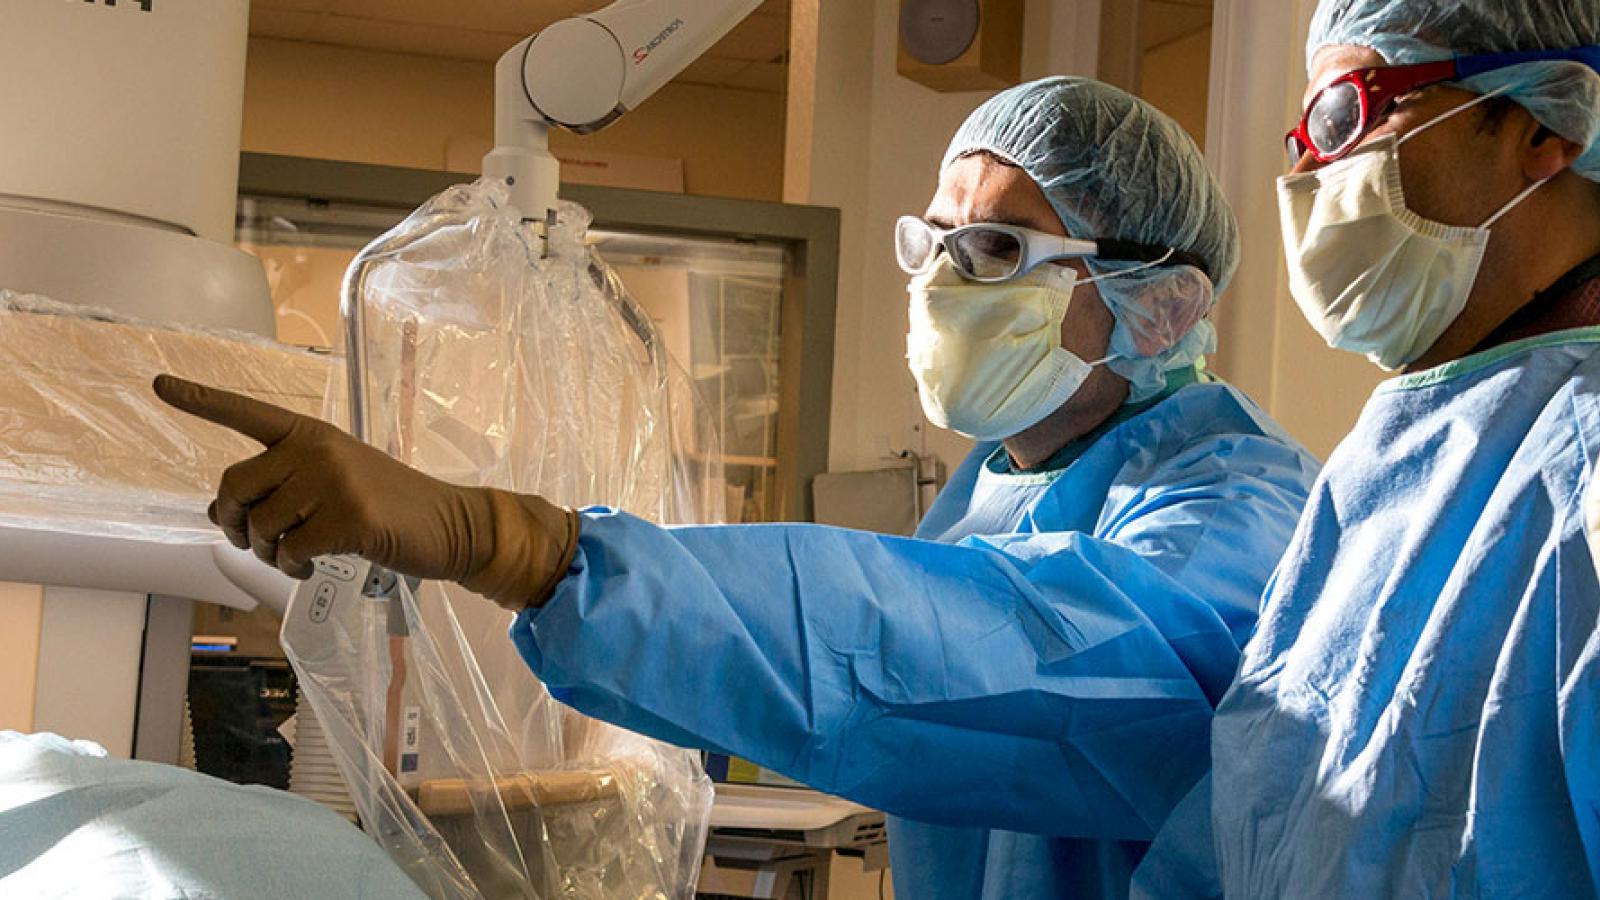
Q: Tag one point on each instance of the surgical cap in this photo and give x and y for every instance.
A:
(1562, 96)
(1112, 166)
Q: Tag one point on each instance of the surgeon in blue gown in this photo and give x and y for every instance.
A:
(1028, 684)
(1418, 714)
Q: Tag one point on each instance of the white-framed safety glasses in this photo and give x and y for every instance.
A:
(991, 252)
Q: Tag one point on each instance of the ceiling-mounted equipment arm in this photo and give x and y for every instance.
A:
(583, 73)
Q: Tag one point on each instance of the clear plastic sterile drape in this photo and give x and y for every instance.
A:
(495, 356)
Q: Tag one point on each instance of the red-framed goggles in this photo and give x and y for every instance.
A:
(1350, 106)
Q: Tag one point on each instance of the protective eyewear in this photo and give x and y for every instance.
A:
(991, 252)
(1346, 110)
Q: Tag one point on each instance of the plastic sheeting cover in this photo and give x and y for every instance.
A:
(85, 445)
(496, 358)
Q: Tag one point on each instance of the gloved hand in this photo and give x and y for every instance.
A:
(316, 491)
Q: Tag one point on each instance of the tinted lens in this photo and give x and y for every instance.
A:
(914, 244)
(987, 253)
(1334, 119)
(1295, 150)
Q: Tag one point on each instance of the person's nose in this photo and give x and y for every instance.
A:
(1307, 163)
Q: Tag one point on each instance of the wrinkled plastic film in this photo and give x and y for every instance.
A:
(496, 357)
(85, 445)
(338, 655)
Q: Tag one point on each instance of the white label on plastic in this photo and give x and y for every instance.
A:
(411, 739)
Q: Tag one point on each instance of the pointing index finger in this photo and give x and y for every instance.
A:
(256, 420)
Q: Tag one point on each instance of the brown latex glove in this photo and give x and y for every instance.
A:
(317, 491)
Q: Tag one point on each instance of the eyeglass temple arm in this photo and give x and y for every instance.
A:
(1134, 251)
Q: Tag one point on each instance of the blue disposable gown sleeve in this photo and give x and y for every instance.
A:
(1055, 683)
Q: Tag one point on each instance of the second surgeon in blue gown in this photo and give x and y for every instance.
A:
(1418, 714)
(1028, 684)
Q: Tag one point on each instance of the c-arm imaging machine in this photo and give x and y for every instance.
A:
(119, 192)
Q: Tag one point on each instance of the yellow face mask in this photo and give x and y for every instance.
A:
(1368, 273)
(988, 357)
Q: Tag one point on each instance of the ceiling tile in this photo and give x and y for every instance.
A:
(519, 16)
(760, 37)
(484, 29)
(282, 23)
(761, 76)
(424, 40)
(526, 16)
(296, 5)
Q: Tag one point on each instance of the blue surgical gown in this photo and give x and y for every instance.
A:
(1043, 660)
(1419, 712)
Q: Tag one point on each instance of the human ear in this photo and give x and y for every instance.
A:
(1546, 154)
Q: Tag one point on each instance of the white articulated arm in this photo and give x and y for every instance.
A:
(583, 73)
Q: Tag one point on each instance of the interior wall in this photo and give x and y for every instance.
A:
(305, 290)
(1173, 77)
(1265, 345)
(88, 673)
(328, 102)
(21, 617)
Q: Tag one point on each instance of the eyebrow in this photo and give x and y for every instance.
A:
(945, 224)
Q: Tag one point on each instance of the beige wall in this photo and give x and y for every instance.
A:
(1174, 79)
(1264, 343)
(21, 615)
(305, 290)
(328, 102)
